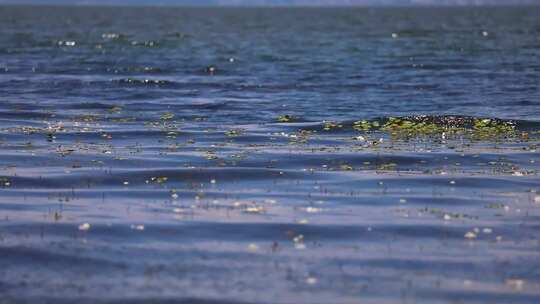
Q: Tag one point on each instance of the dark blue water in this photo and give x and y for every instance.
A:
(252, 155)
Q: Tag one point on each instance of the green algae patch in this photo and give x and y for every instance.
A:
(123, 119)
(442, 127)
(115, 109)
(331, 125)
(346, 167)
(364, 125)
(158, 180)
(286, 118)
(88, 118)
(413, 127)
(492, 128)
(166, 116)
(300, 137)
(234, 132)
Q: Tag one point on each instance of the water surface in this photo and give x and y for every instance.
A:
(175, 155)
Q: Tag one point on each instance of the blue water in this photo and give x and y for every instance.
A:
(210, 155)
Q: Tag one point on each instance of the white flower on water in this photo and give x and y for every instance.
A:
(470, 235)
(313, 210)
(84, 227)
(137, 227)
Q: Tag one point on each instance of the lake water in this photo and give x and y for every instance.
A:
(308, 155)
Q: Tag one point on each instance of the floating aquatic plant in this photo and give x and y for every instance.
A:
(443, 127)
(363, 125)
(300, 137)
(286, 118)
(122, 120)
(329, 125)
(158, 180)
(167, 116)
(234, 132)
(88, 118)
(346, 167)
(5, 182)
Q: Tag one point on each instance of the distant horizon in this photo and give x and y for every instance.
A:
(272, 3)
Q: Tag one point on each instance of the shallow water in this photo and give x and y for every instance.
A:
(215, 155)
